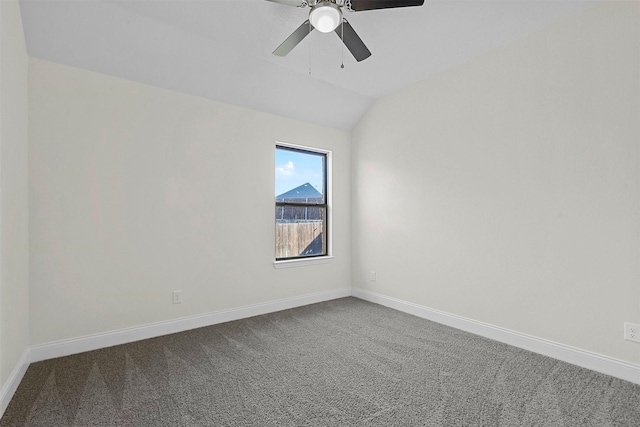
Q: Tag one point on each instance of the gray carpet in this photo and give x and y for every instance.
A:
(341, 363)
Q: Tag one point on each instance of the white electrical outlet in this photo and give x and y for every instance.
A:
(177, 297)
(631, 332)
(372, 276)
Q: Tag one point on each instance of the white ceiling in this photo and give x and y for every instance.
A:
(221, 49)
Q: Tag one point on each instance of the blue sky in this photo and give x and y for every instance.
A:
(294, 169)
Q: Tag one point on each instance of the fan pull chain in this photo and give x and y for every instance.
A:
(310, 30)
(342, 37)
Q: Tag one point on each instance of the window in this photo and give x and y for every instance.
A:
(301, 202)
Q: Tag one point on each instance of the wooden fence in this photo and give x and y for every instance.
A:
(296, 238)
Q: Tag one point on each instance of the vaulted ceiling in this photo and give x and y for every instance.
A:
(221, 49)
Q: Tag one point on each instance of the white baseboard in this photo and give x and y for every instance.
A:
(11, 385)
(123, 336)
(603, 364)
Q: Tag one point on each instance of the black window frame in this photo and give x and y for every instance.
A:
(324, 205)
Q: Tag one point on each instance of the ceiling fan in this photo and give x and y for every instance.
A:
(326, 16)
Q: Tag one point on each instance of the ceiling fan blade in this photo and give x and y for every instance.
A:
(359, 5)
(292, 41)
(295, 3)
(353, 42)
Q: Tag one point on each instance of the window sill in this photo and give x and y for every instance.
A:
(302, 262)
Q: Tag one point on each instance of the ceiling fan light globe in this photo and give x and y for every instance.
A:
(325, 24)
(325, 16)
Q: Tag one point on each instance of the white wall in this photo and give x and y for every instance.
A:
(14, 252)
(506, 190)
(137, 191)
